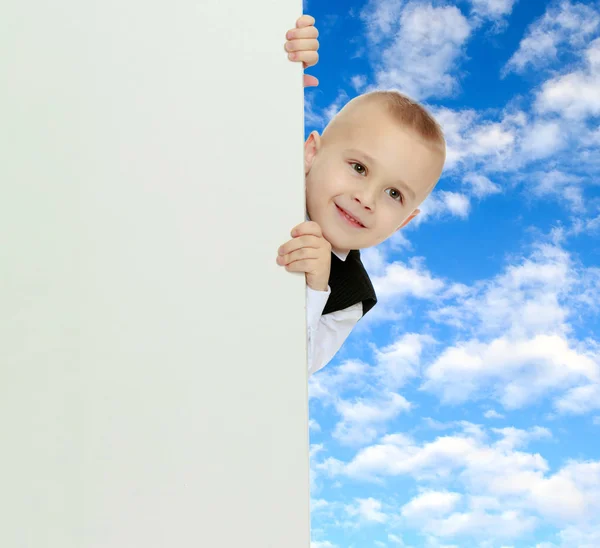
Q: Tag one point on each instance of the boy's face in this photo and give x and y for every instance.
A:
(374, 169)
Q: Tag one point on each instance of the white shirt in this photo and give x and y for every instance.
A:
(326, 334)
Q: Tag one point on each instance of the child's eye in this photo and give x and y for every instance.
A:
(398, 195)
(361, 166)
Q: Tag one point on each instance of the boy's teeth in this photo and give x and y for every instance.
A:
(352, 219)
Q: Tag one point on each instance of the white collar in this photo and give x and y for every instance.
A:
(342, 255)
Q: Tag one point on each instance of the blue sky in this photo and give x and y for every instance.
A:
(464, 410)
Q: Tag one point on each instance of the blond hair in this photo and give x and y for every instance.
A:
(404, 110)
(409, 113)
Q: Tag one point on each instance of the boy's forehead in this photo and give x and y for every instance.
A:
(365, 121)
(363, 114)
(373, 134)
(369, 127)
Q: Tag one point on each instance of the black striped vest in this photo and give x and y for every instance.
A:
(350, 284)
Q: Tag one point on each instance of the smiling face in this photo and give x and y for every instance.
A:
(371, 167)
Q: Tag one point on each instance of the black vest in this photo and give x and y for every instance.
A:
(350, 284)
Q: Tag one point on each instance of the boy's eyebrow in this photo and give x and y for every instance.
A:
(372, 160)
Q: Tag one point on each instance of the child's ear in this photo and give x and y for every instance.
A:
(312, 145)
(410, 218)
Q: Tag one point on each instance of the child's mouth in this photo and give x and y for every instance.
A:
(349, 219)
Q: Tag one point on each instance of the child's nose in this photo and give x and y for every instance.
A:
(365, 199)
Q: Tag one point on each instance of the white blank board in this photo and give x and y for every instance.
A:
(153, 354)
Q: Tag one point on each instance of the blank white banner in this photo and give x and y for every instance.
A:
(152, 352)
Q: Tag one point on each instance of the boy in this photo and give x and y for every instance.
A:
(375, 163)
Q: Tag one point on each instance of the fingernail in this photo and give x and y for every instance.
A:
(288, 46)
(289, 35)
(280, 251)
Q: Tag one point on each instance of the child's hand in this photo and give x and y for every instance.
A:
(308, 252)
(302, 46)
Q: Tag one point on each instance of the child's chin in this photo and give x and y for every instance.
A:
(339, 237)
(340, 244)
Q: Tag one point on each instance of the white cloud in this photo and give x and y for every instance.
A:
(575, 95)
(314, 425)
(517, 346)
(381, 17)
(456, 126)
(362, 420)
(311, 116)
(575, 536)
(398, 362)
(520, 347)
(314, 450)
(362, 411)
(319, 118)
(582, 537)
(373, 402)
(480, 185)
(564, 25)
(492, 414)
(506, 524)
(564, 187)
(542, 139)
(328, 383)
(470, 139)
(492, 9)
(442, 202)
(396, 283)
(318, 504)
(430, 504)
(523, 300)
(581, 399)
(368, 510)
(491, 137)
(512, 437)
(400, 280)
(421, 45)
(374, 260)
(518, 139)
(358, 82)
(592, 139)
(396, 539)
(399, 241)
(501, 489)
(516, 372)
(572, 493)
